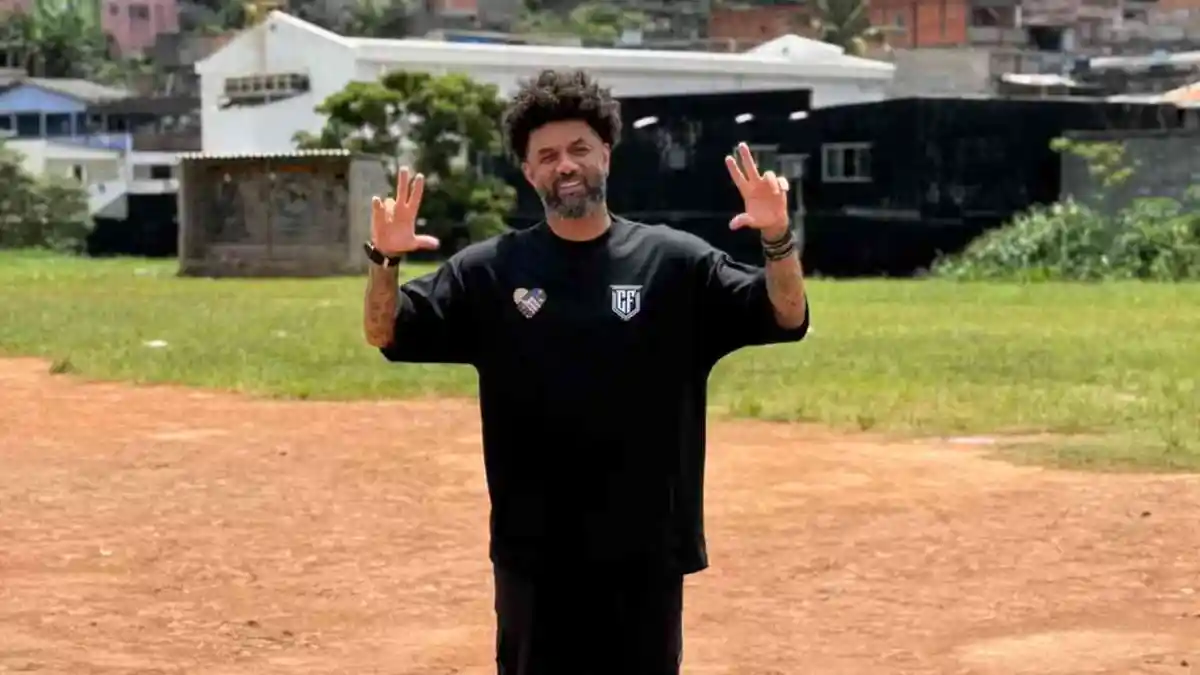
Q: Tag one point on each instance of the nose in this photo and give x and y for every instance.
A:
(566, 167)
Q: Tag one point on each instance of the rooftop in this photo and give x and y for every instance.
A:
(791, 56)
(82, 90)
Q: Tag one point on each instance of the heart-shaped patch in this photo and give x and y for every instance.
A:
(529, 300)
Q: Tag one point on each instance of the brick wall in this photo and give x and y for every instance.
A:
(908, 23)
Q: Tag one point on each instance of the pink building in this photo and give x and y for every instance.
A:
(133, 24)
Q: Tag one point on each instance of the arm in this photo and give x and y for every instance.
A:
(429, 319)
(379, 307)
(785, 288)
(766, 200)
(744, 305)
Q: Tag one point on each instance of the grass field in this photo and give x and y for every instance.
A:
(1113, 368)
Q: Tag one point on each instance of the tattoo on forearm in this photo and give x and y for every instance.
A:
(379, 307)
(785, 287)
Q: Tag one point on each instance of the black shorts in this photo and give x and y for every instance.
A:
(589, 625)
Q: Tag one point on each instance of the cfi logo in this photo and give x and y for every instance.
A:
(529, 300)
(626, 301)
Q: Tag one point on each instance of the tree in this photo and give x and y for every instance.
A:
(593, 22)
(444, 126)
(40, 213)
(847, 24)
(56, 38)
(374, 19)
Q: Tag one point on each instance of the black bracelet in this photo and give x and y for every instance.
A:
(786, 241)
(779, 253)
(776, 243)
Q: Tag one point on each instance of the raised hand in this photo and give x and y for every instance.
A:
(394, 221)
(764, 196)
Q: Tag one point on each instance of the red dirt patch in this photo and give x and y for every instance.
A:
(163, 530)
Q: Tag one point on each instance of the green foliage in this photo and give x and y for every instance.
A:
(845, 23)
(1105, 161)
(927, 357)
(46, 213)
(1151, 238)
(57, 38)
(594, 22)
(1155, 239)
(375, 19)
(441, 125)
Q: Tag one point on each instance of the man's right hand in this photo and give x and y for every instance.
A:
(394, 221)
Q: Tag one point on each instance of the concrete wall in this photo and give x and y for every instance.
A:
(1164, 163)
(280, 47)
(934, 72)
(258, 217)
(47, 158)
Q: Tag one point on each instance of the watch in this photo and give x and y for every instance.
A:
(379, 257)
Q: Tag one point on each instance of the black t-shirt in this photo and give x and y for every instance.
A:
(593, 361)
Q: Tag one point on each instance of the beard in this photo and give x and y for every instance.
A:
(578, 204)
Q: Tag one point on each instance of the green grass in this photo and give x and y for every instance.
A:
(1112, 367)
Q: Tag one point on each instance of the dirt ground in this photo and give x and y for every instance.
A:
(164, 530)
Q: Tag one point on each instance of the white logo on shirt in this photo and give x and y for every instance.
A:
(626, 301)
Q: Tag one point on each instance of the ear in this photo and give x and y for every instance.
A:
(605, 156)
(528, 171)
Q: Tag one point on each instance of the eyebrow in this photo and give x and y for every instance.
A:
(575, 143)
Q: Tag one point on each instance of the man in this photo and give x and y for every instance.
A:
(593, 337)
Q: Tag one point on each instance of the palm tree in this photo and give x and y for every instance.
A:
(847, 24)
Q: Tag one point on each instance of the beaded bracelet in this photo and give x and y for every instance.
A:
(779, 249)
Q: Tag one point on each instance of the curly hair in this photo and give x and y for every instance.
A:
(554, 96)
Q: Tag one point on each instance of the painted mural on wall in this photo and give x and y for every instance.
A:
(289, 206)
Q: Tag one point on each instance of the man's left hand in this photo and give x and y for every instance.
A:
(764, 196)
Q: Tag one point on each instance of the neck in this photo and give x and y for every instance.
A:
(580, 229)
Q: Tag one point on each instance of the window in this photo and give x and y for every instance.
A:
(138, 10)
(58, 125)
(6, 123)
(275, 85)
(984, 16)
(792, 167)
(766, 157)
(846, 162)
(29, 126)
(160, 172)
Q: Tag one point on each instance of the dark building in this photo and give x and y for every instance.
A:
(894, 184)
(881, 188)
(670, 165)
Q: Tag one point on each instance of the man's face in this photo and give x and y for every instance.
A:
(567, 163)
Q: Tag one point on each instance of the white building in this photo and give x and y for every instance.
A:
(110, 174)
(262, 87)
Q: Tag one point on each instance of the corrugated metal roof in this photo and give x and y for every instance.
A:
(82, 90)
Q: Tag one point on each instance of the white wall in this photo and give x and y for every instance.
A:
(283, 45)
(46, 158)
(623, 83)
(279, 47)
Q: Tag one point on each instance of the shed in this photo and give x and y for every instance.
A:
(297, 214)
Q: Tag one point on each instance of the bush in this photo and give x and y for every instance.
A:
(1156, 239)
(49, 213)
(1151, 238)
